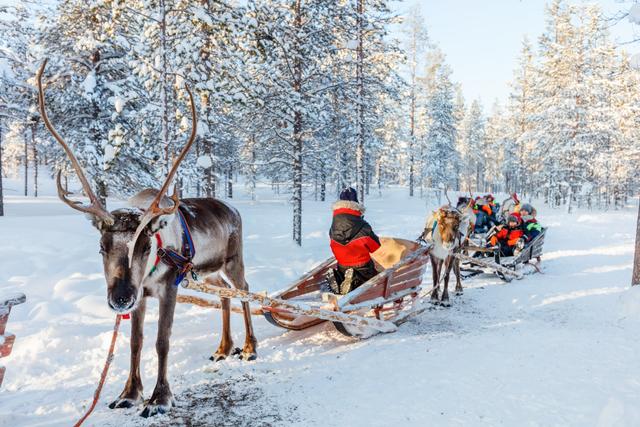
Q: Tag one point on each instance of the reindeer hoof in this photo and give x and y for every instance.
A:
(445, 303)
(217, 357)
(236, 352)
(160, 405)
(248, 356)
(458, 293)
(151, 410)
(124, 403)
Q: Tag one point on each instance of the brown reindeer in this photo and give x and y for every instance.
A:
(130, 240)
(447, 228)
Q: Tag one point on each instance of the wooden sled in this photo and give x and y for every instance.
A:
(379, 305)
(506, 268)
(391, 296)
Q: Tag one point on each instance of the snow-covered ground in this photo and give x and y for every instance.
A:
(559, 348)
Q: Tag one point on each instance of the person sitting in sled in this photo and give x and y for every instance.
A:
(509, 206)
(495, 207)
(484, 215)
(352, 242)
(531, 226)
(510, 237)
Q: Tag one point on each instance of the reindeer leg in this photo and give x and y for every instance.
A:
(162, 399)
(445, 292)
(234, 269)
(132, 393)
(456, 270)
(250, 342)
(226, 342)
(435, 270)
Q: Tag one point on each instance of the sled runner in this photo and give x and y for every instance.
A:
(482, 259)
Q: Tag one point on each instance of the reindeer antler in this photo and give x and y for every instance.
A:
(154, 210)
(447, 196)
(95, 207)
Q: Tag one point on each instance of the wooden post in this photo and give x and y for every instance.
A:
(635, 279)
(6, 339)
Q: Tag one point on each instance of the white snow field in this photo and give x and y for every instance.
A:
(559, 348)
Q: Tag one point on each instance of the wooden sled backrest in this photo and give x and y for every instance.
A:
(404, 275)
(533, 249)
(392, 250)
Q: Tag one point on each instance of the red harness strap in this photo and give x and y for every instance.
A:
(155, 264)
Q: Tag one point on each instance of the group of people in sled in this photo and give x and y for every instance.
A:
(353, 240)
(518, 226)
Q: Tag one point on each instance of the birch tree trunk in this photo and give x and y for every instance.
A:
(412, 113)
(164, 101)
(297, 137)
(26, 166)
(360, 147)
(253, 169)
(230, 182)
(323, 181)
(34, 151)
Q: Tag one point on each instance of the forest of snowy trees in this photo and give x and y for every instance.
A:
(309, 96)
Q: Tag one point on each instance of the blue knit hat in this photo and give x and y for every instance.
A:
(349, 194)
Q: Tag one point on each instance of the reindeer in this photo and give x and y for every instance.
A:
(448, 228)
(135, 240)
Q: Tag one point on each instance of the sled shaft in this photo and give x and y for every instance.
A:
(276, 304)
(488, 264)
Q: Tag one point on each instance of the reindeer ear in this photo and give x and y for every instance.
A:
(98, 223)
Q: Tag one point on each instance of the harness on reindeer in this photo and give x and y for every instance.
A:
(181, 261)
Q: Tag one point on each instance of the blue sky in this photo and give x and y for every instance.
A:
(482, 38)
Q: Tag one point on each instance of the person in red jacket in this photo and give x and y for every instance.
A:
(509, 237)
(352, 242)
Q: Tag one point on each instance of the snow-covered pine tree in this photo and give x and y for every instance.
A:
(416, 45)
(17, 52)
(473, 150)
(292, 43)
(441, 157)
(501, 163)
(520, 111)
(93, 98)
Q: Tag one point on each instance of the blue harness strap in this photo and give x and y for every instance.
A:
(183, 262)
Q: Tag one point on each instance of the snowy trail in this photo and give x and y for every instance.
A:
(551, 349)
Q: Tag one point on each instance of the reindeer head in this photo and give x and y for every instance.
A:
(124, 280)
(448, 220)
(125, 242)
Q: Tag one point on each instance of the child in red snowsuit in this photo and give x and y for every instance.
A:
(509, 237)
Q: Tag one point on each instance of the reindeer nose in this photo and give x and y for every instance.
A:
(122, 299)
(121, 303)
